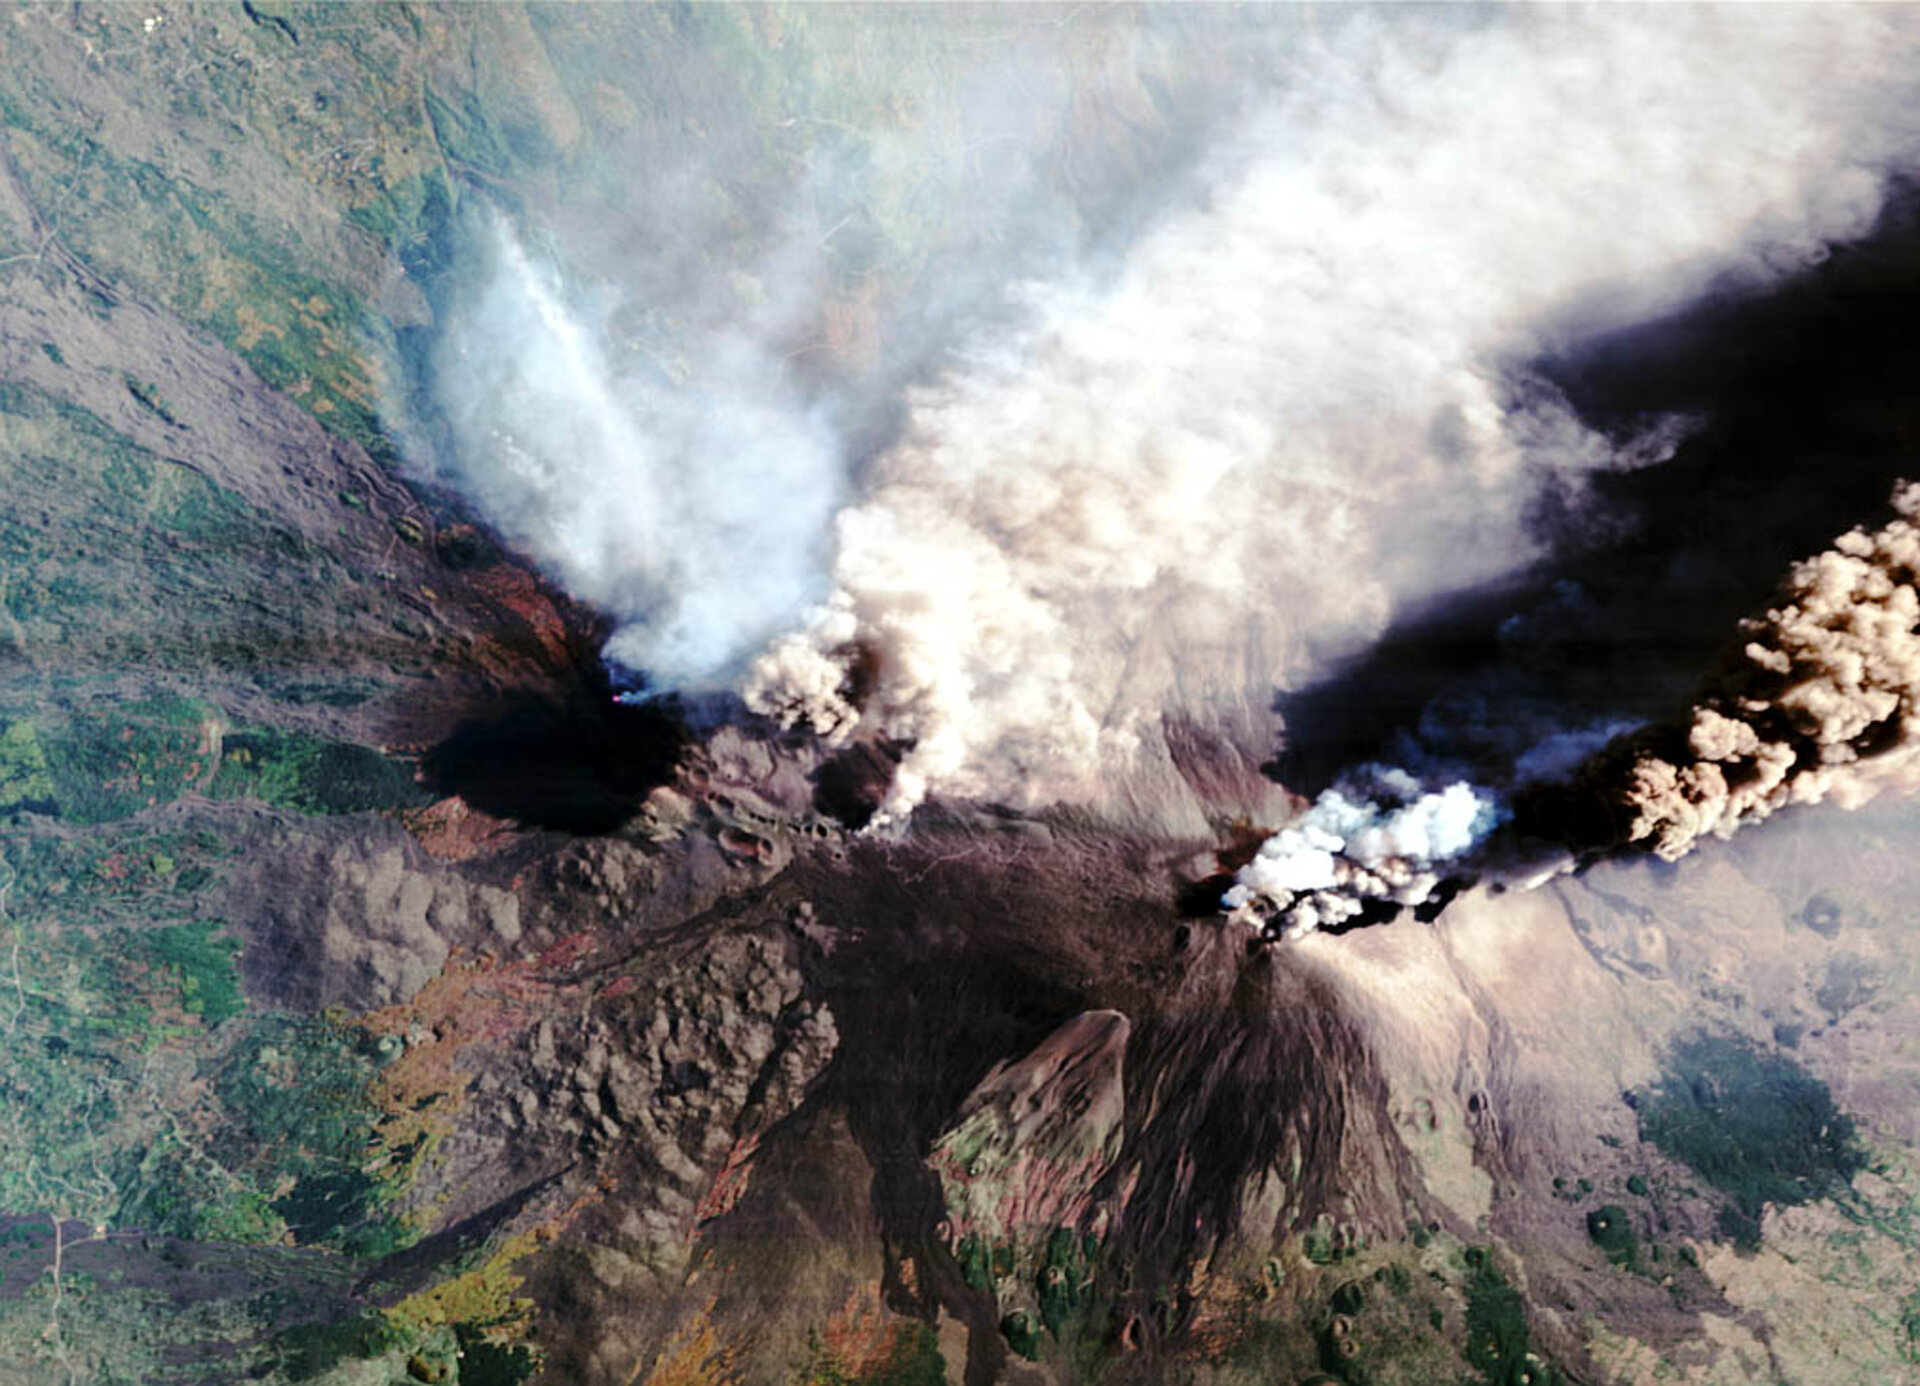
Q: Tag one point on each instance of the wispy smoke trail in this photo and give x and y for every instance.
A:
(1303, 402)
(695, 513)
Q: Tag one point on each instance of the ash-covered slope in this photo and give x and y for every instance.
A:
(975, 1106)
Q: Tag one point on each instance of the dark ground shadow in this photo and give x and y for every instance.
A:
(1810, 390)
(851, 785)
(568, 757)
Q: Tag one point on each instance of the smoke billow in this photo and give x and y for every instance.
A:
(695, 513)
(670, 423)
(1378, 836)
(1145, 491)
(1304, 402)
(1822, 706)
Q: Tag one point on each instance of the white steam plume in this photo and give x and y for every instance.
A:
(1191, 483)
(696, 514)
(669, 432)
(1378, 836)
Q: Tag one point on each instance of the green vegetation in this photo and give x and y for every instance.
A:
(978, 1261)
(309, 1350)
(147, 395)
(1571, 1191)
(1498, 1345)
(1061, 1278)
(484, 1362)
(297, 1111)
(108, 979)
(1611, 1229)
(297, 1151)
(25, 782)
(1326, 1242)
(143, 1092)
(1387, 1317)
(1022, 1333)
(1065, 1281)
(108, 762)
(112, 876)
(291, 770)
(203, 962)
(1753, 1124)
(111, 763)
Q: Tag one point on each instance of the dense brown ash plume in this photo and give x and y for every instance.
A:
(1818, 707)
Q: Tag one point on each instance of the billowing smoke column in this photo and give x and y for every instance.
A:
(696, 514)
(1378, 837)
(1822, 707)
(1300, 402)
(1165, 486)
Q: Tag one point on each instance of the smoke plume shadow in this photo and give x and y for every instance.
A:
(567, 758)
(851, 786)
(1806, 395)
